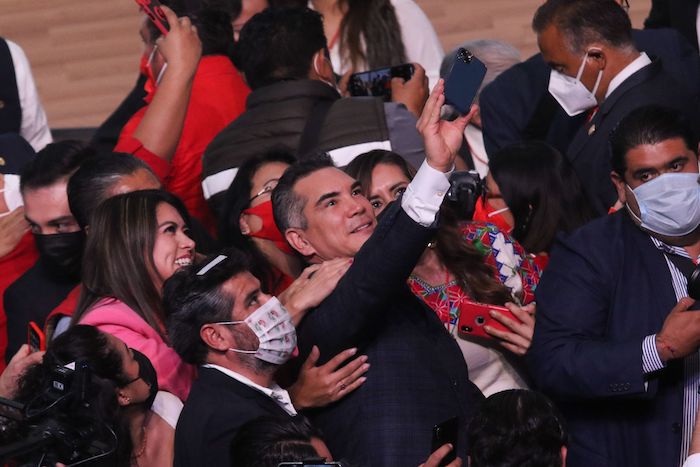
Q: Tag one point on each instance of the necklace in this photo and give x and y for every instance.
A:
(144, 439)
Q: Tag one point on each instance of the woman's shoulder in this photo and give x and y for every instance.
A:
(111, 311)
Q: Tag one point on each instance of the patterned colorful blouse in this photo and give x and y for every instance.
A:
(512, 266)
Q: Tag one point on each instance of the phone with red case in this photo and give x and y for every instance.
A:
(153, 9)
(474, 316)
(35, 337)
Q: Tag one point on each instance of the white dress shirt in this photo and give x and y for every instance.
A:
(35, 128)
(636, 65)
(275, 392)
(423, 196)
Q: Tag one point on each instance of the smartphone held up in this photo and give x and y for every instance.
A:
(463, 81)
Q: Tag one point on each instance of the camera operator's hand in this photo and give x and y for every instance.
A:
(12, 227)
(680, 334)
(442, 139)
(519, 340)
(412, 93)
(437, 457)
(318, 386)
(23, 359)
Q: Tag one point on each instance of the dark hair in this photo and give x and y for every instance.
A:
(192, 300)
(278, 44)
(287, 206)
(651, 124)
(90, 184)
(461, 258)
(85, 343)
(267, 441)
(542, 191)
(54, 162)
(361, 167)
(516, 428)
(237, 200)
(119, 255)
(371, 25)
(213, 22)
(585, 21)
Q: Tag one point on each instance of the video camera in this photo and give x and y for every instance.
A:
(60, 424)
(465, 189)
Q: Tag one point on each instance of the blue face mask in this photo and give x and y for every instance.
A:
(669, 205)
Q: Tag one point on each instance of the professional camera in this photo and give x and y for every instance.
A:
(60, 424)
(465, 189)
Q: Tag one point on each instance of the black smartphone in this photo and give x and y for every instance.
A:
(463, 81)
(444, 433)
(378, 82)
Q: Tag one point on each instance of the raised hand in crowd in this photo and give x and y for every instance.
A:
(442, 138)
(436, 458)
(412, 93)
(12, 227)
(318, 386)
(519, 340)
(23, 359)
(680, 334)
(181, 49)
(314, 284)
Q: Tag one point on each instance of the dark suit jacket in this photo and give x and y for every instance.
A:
(216, 408)
(418, 376)
(677, 14)
(516, 106)
(589, 151)
(607, 287)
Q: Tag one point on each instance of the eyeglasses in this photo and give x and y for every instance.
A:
(267, 189)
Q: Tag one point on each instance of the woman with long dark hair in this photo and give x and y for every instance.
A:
(465, 262)
(248, 225)
(538, 194)
(137, 240)
(365, 35)
(123, 396)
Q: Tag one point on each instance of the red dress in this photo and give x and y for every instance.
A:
(218, 97)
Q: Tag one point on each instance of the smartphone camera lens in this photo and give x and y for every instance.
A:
(480, 320)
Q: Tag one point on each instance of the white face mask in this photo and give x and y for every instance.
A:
(273, 326)
(571, 94)
(669, 204)
(11, 193)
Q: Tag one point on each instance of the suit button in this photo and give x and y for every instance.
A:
(454, 382)
(676, 428)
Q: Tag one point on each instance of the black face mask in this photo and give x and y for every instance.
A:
(62, 253)
(148, 374)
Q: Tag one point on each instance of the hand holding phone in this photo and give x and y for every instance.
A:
(378, 82)
(463, 81)
(473, 317)
(35, 337)
(153, 10)
(446, 432)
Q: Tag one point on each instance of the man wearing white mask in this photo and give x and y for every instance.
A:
(597, 69)
(219, 319)
(616, 340)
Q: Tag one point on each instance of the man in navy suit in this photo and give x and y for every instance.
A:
(418, 376)
(614, 342)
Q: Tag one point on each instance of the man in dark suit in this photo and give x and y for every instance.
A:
(614, 344)
(207, 307)
(418, 376)
(597, 69)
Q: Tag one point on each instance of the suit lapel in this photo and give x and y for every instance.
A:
(216, 378)
(590, 129)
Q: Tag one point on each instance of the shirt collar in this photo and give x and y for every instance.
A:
(669, 249)
(636, 65)
(275, 392)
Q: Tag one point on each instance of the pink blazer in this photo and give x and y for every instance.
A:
(114, 317)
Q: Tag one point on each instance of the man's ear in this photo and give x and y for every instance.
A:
(297, 239)
(213, 338)
(598, 56)
(620, 186)
(321, 67)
